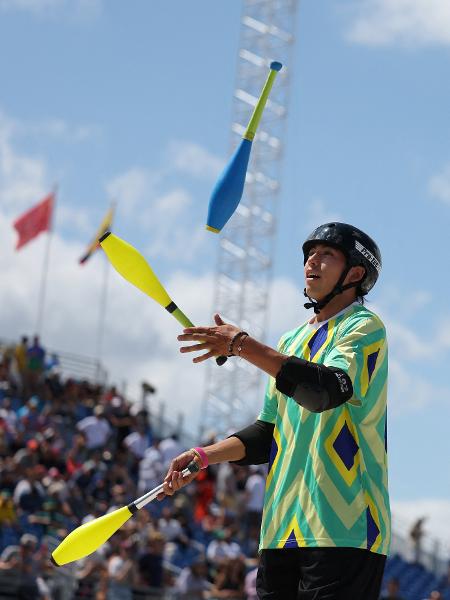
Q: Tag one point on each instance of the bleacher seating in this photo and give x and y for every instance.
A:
(416, 582)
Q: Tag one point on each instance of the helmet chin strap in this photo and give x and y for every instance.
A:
(318, 305)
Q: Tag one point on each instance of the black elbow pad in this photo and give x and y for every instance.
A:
(313, 386)
(257, 439)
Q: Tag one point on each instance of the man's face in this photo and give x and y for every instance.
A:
(323, 268)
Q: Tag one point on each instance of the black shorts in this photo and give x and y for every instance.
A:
(320, 574)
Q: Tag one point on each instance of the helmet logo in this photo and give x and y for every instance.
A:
(367, 254)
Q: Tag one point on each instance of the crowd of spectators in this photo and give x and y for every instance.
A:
(71, 451)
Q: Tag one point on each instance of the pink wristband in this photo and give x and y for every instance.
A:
(203, 457)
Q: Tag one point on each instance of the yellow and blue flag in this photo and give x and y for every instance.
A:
(105, 226)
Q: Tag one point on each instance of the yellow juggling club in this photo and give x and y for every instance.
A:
(134, 268)
(87, 538)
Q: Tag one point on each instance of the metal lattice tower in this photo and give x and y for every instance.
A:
(244, 269)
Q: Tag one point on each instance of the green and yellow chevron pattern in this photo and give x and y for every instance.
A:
(327, 479)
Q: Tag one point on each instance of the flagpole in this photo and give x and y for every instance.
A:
(103, 305)
(44, 273)
(102, 314)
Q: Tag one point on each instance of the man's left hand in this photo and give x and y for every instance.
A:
(216, 340)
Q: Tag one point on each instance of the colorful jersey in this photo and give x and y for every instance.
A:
(327, 480)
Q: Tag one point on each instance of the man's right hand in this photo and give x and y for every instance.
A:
(174, 480)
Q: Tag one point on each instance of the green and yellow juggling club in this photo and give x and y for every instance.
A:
(87, 538)
(134, 268)
(227, 192)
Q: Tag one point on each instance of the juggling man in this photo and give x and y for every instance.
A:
(325, 529)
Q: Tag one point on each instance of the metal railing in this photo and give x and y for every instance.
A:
(433, 554)
(76, 366)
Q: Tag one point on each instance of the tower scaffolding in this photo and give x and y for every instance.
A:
(246, 246)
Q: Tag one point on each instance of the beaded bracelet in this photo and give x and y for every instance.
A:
(241, 341)
(233, 339)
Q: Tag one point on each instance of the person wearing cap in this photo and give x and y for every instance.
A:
(325, 529)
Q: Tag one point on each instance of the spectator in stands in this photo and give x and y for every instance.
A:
(35, 365)
(151, 468)
(145, 526)
(91, 574)
(52, 364)
(254, 498)
(204, 494)
(226, 489)
(214, 520)
(8, 514)
(435, 595)
(9, 417)
(169, 448)
(33, 562)
(118, 413)
(169, 526)
(229, 581)
(96, 428)
(31, 419)
(222, 547)
(150, 561)
(392, 590)
(52, 518)
(416, 534)
(192, 582)
(16, 581)
(4, 440)
(138, 440)
(20, 355)
(445, 582)
(78, 453)
(29, 493)
(250, 584)
(122, 572)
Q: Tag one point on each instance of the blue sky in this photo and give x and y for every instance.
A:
(135, 105)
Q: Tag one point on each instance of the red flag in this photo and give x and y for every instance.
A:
(35, 220)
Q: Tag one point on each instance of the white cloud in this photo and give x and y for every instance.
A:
(165, 217)
(442, 335)
(195, 160)
(77, 219)
(439, 185)
(59, 129)
(166, 220)
(132, 189)
(393, 296)
(172, 204)
(409, 390)
(318, 212)
(76, 10)
(405, 22)
(23, 179)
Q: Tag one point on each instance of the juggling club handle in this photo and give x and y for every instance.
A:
(152, 494)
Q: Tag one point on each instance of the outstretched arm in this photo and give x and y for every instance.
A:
(218, 341)
(313, 386)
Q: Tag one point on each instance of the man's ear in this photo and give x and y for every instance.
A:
(355, 274)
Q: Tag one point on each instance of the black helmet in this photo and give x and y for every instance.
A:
(359, 250)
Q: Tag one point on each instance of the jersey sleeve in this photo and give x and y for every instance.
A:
(270, 407)
(360, 351)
